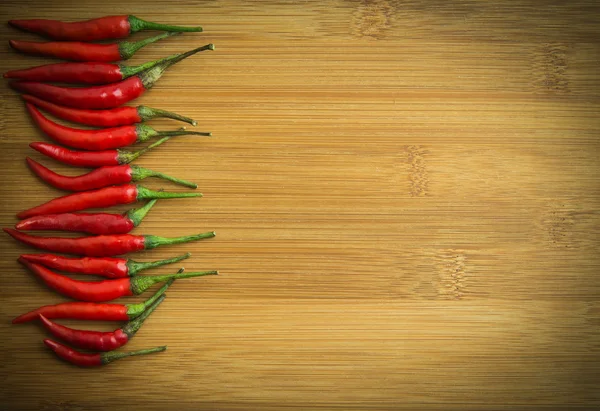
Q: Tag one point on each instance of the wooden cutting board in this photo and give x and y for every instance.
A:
(406, 199)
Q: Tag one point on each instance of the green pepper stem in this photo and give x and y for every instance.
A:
(139, 173)
(128, 71)
(159, 293)
(134, 267)
(126, 157)
(147, 194)
(111, 356)
(133, 310)
(127, 48)
(137, 24)
(145, 132)
(176, 58)
(136, 215)
(182, 133)
(140, 284)
(133, 326)
(148, 113)
(150, 76)
(153, 241)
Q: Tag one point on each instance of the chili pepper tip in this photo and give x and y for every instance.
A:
(50, 343)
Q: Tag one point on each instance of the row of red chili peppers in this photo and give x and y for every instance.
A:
(115, 84)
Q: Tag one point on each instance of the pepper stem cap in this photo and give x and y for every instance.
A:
(147, 194)
(128, 48)
(136, 24)
(142, 283)
(133, 326)
(134, 267)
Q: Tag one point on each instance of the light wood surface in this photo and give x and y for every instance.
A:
(406, 199)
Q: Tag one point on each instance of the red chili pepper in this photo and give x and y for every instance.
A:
(103, 139)
(106, 290)
(105, 267)
(91, 223)
(102, 245)
(102, 197)
(101, 97)
(97, 340)
(120, 116)
(79, 51)
(100, 177)
(78, 310)
(85, 73)
(103, 28)
(91, 158)
(96, 359)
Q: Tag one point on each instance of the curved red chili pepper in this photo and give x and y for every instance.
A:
(78, 310)
(106, 290)
(84, 73)
(120, 116)
(102, 266)
(80, 73)
(102, 245)
(103, 28)
(91, 158)
(100, 177)
(97, 97)
(100, 198)
(79, 51)
(97, 340)
(93, 223)
(106, 96)
(94, 360)
(103, 139)
(92, 340)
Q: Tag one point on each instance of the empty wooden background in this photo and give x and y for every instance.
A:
(406, 199)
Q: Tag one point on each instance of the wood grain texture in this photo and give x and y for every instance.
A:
(407, 205)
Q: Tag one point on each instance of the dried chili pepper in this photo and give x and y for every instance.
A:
(97, 340)
(91, 223)
(79, 51)
(91, 158)
(79, 310)
(102, 197)
(87, 72)
(106, 96)
(102, 245)
(102, 28)
(120, 116)
(105, 267)
(106, 290)
(103, 139)
(100, 177)
(96, 359)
